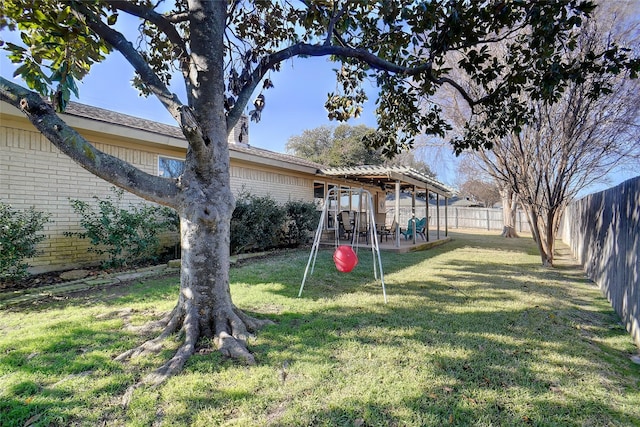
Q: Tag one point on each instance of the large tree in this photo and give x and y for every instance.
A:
(223, 51)
(566, 146)
(343, 145)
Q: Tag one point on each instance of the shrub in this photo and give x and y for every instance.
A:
(303, 220)
(123, 234)
(256, 224)
(18, 239)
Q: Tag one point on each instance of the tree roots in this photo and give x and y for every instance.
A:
(509, 232)
(233, 328)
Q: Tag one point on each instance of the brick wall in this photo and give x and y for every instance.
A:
(33, 172)
(281, 187)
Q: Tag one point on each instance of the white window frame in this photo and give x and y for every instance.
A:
(168, 158)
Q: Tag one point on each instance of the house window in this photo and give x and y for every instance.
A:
(345, 199)
(318, 194)
(170, 167)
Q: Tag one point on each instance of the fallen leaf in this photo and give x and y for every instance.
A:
(31, 421)
(447, 389)
(470, 399)
(358, 422)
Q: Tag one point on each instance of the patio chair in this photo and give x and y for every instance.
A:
(388, 231)
(363, 227)
(420, 225)
(346, 227)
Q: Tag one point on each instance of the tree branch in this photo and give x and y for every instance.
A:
(163, 24)
(71, 143)
(303, 49)
(121, 44)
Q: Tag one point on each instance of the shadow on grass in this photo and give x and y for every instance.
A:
(479, 359)
(449, 348)
(540, 351)
(41, 376)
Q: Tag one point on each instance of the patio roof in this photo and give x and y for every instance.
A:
(387, 176)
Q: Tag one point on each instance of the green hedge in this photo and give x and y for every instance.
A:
(126, 236)
(19, 235)
(259, 223)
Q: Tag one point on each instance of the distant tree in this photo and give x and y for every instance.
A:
(346, 145)
(472, 170)
(566, 146)
(408, 158)
(343, 145)
(313, 144)
(484, 192)
(223, 54)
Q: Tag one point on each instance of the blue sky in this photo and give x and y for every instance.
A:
(294, 104)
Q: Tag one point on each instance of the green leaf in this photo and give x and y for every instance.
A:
(112, 19)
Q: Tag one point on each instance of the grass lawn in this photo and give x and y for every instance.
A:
(475, 333)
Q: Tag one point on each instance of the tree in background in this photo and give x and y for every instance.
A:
(343, 145)
(477, 176)
(408, 158)
(482, 191)
(347, 145)
(222, 53)
(566, 146)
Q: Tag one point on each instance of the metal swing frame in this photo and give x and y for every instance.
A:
(335, 194)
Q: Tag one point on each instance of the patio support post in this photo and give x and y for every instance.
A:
(438, 216)
(426, 213)
(446, 216)
(397, 214)
(413, 213)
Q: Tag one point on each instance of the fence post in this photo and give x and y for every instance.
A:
(488, 220)
(456, 217)
(519, 220)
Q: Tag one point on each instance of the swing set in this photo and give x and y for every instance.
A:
(344, 256)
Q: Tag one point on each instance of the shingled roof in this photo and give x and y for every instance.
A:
(387, 176)
(112, 117)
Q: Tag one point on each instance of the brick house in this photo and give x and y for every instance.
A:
(33, 172)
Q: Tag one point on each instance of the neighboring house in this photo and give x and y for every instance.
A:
(33, 172)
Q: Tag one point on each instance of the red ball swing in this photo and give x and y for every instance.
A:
(345, 258)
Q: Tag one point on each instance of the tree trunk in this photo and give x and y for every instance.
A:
(204, 308)
(538, 231)
(204, 283)
(509, 211)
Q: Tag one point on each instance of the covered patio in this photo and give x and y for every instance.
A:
(391, 233)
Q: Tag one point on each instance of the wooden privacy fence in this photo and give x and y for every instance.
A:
(603, 231)
(462, 217)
